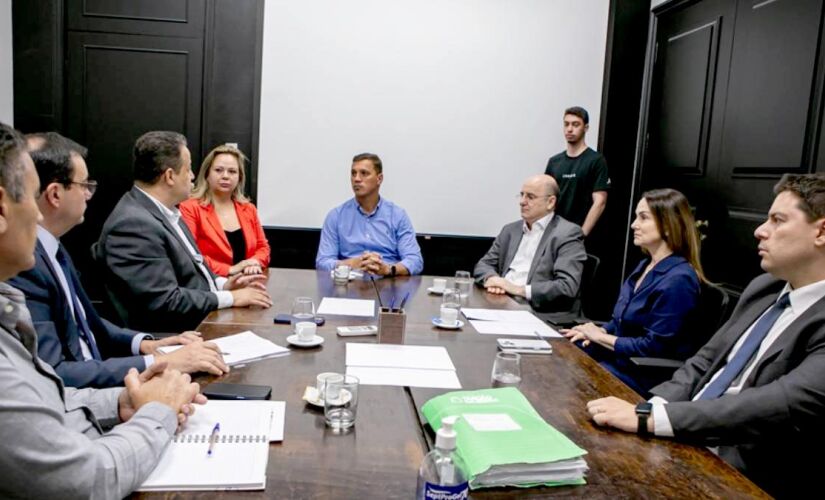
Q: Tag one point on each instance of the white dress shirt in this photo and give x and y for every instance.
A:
(801, 299)
(520, 266)
(51, 245)
(225, 298)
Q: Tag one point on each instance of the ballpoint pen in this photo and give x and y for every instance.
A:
(403, 301)
(213, 438)
(380, 305)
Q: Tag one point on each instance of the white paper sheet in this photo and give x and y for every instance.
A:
(500, 315)
(242, 348)
(508, 328)
(399, 356)
(409, 377)
(347, 307)
(276, 427)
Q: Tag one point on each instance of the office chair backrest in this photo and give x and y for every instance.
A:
(591, 265)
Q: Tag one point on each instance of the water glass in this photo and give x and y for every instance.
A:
(464, 283)
(450, 306)
(340, 401)
(506, 370)
(303, 309)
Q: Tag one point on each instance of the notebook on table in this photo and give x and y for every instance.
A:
(239, 456)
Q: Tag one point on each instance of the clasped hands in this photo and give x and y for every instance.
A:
(195, 355)
(247, 266)
(370, 262)
(248, 290)
(500, 286)
(160, 384)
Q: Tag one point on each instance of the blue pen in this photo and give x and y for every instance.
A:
(403, 301)
(213, 438)
(392, 302)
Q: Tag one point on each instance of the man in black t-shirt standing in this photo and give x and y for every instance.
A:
(581, 174)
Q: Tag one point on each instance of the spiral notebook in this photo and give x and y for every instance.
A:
(239, 455)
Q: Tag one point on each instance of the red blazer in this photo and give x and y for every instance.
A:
(211, 239)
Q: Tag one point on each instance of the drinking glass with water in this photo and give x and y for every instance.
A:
(303, 309)
(506, 370)
(463, 283)
(340, 401)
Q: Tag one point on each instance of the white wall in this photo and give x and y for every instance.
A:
(6, 82)
(462, 99)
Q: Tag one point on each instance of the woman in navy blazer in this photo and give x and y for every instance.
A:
(222, 220)
(651, 316)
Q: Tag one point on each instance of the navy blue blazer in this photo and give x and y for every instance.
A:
(57, 333)
(652, 321)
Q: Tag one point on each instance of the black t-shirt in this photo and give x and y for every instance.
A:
(578, 179)
(238, 244)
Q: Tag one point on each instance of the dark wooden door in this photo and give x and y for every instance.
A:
(734, 102)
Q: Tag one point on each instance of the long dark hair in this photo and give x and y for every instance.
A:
(677, 227)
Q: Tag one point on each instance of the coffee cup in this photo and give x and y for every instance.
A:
(321, 379)
(305, 331)
(340, 275)
(449, 315)
(439, 284)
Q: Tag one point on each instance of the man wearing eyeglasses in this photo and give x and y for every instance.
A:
(539, 257)
(85, 349)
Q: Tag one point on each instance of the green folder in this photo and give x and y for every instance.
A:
(505, 442)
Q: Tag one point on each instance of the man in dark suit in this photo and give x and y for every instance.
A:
(756, 389)
(154, 273)
(85, 349)
(539, 257)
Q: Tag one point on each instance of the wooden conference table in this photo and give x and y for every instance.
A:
(380, 457)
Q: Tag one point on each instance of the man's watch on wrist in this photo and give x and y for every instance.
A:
(392, 270)
(643, 412)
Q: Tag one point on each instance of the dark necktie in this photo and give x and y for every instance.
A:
(748, 349)
(80, 319)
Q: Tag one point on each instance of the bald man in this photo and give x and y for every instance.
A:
(539, 257)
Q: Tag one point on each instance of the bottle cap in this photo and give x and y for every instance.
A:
(445, 437)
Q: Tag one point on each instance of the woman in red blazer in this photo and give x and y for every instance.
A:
(224, 222)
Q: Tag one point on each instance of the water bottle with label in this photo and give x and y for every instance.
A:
(443, 474)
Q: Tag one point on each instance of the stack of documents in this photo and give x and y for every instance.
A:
(501, 322)
(505, 442)
(402, 365)
(331, 306)
(242, 348)
(238, 456)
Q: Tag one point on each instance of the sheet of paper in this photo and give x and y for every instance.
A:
(347, 307)
(410, 377)
(399, 356)
(491, 422)
(508, 328)
(500, 315)
(276, 427)
(242, 348)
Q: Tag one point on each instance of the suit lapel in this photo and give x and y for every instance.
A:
(542, 247)
(71, 334)
(512, 248)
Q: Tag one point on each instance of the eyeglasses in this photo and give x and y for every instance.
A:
(89, 186)
(531, 196)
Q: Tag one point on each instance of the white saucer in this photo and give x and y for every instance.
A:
(353, 275)
(436, 291)
(313, 396)
(437, 322)
(293, 339)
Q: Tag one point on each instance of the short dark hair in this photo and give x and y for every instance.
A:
(580, 112)
(12, 148)
(376, 161)
(155, 152)
(809, 188)
(52, 157)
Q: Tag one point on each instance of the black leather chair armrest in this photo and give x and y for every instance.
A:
(657, 362)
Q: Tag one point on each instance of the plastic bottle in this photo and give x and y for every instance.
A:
(443, 474)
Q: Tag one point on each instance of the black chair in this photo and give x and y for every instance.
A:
(714, 309)
(577, 314)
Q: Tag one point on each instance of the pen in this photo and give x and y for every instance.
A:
(213, 438)
(376, 292)
(392, 303)
(403, 301)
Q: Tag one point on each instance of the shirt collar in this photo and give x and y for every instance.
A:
(365, 214)
(541, 224)
(173, 215)
(804, 297)
(50, 243)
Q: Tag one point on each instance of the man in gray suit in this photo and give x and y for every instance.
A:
(540, 257)
(154, 272)
(757, 388)
(52, 443)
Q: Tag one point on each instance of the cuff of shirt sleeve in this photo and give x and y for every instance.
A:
(137, 339)
(220, 281)
(160, 412)
(225, 299)
(661, 422)
(528, 292)
(148, 360)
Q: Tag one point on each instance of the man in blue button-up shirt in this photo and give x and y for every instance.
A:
(369, 233)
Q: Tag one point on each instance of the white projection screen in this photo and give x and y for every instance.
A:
(461, 99)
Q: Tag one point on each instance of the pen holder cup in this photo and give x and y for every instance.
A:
(391, 326)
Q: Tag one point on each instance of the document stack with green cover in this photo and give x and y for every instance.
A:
(505, 442)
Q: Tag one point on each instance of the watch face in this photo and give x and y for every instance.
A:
(644, 408)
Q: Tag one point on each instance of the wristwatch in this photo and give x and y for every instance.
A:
(392, 270)
(643, 411)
